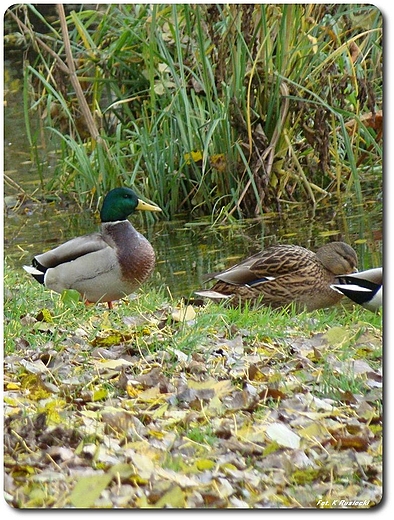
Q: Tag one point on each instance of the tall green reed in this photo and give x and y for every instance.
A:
(230, 109)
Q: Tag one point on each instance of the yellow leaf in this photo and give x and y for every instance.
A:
(337, 335)
(160, 411)
(314, 430)
(23, 470)
(218, 161)
(131, 390)
(216, 405)
(203, 464)
(102, 393)
(173, 498)
(44, 315)
(12, 402)
(271, 447)
(13, 386)
(34, 388)
(223, 388)
(178, 478)
(106, 323)
(193, 157)
(142, 502)
(111, 337)
(88, 489)
(123, 470)
(183, 313)
(52, 410)
(220, 387)
(313, 41)
(151, 394)
(157, 434)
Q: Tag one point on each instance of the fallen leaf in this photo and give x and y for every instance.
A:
(281, 434)
(88, 489)
(111, 363)
(143, 465)
(175, 497)
(182, 313)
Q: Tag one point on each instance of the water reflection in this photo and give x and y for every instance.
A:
(187, 249)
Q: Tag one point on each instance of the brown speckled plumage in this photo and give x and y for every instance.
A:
(285, 274)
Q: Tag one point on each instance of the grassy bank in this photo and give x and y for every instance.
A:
(157, 405)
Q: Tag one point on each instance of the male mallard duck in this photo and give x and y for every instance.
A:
(283, 274)
(364, 288)
(103, 266)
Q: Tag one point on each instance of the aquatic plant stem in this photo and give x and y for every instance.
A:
(87, 114)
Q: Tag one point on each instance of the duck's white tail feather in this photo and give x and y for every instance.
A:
(35, 273)
(32, 270)
(214, 295)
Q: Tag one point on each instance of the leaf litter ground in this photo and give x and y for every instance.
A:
(188, 407)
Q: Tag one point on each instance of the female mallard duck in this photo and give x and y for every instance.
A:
(285, 274)
(364, 288)
(103, 266)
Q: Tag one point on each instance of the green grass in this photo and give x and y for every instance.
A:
(37, 315)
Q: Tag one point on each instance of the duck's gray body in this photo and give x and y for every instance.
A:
(102, 266)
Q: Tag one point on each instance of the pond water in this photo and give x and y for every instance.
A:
(186, 248)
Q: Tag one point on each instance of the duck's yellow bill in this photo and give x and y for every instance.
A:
(144, 206)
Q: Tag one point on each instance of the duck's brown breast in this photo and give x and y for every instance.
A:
(135, 254)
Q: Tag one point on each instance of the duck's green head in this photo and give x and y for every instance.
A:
(122, 202)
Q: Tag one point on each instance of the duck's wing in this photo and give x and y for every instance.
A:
(267, 265)
(71, 250)
(238, 275)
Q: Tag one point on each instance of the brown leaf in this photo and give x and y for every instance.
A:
(355, 442)
(272, 393)
(125, 423)
(242, 400)
(347, 397)
(355, 51)
(155, 378)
